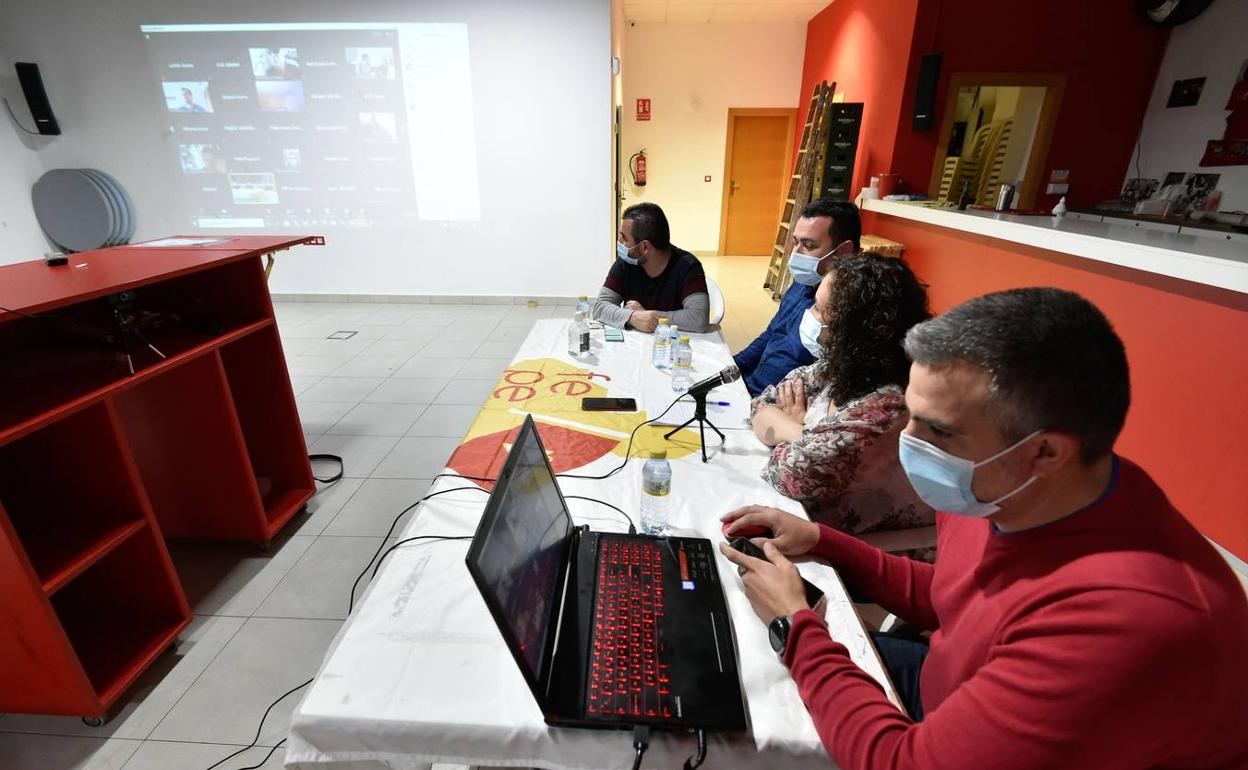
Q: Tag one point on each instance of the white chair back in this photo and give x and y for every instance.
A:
(718, 307)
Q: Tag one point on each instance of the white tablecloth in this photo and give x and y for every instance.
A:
(419, 673)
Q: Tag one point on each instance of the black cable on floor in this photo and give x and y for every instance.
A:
(628, 451)
(260, 764)
(342, 467)
(259, 728)
(390, 531)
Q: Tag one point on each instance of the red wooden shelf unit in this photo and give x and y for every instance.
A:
(98, 466)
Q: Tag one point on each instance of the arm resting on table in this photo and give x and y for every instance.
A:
(694, 315)
(608, 308)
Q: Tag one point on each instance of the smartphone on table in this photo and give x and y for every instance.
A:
(589, 404)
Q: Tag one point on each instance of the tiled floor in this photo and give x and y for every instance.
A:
(384, 400)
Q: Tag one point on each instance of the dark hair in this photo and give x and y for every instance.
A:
(649, 224)
(1054, 361)
(846, 225)
(873, 301)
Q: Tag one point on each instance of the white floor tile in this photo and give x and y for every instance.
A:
(365, 365)
(319, 586)
(412, 332)
(373, 508)
(301, 382)
(449, 420)
(407, 391)
(152, 696)
(222, 578)
(267, 657)
(424, 368)
(52, 752)
(315, 365)
(352, 389)
(326, 503)
(484, 368)
(378, 420)
(416, 458)
(449, 349)
(167, 755)
(466, 392)
(360, 454)
(496, 349)
(395, 348)
(318, 417)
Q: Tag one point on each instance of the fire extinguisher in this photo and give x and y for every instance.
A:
(638, 172)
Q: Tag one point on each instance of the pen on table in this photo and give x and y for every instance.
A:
(719, 403)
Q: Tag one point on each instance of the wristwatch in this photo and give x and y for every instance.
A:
(778, 630)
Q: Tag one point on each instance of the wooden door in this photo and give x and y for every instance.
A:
(756, 172)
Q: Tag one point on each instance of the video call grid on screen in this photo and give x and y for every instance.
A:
(319, 124)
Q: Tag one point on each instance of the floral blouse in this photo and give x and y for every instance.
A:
(844, 469)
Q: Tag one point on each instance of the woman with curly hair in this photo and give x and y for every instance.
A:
(833, 426)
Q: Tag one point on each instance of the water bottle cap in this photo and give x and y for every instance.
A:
(662, 319)
(658, 454)
(684, 339)
(584, 298)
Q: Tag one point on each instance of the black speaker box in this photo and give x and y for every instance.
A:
(36, 97)
(925, 94)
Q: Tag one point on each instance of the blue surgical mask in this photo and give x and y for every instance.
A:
(943, 481)
(809, 330)
(804, 269)
(621, 251)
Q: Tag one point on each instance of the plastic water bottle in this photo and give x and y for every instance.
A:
(673, 337)
(656, 488)
(582, 305)
(578, 336)
(662, 345)
(682, 365)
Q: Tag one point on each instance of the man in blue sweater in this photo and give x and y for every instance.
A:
(826, 230)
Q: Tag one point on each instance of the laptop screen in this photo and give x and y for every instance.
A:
(518, 550)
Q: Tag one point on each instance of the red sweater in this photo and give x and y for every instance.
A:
(1116, 637)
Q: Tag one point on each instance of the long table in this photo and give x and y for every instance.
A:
(420, 674)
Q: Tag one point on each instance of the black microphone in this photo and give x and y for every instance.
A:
(729, 373)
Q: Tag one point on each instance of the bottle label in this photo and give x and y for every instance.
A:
(658, 490)
(584, 342)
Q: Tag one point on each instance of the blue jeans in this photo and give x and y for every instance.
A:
(903, 656)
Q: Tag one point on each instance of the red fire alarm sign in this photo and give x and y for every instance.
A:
(643, 109)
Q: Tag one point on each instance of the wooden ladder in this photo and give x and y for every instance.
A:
(809, 164)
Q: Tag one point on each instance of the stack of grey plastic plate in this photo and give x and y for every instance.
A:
(81, 209)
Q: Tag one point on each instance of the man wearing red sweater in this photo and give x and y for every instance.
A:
(1077, 619)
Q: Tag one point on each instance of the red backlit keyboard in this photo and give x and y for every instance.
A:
(629, 668)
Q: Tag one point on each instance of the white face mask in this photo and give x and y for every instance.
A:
(621, 251)
(809, 330)
(805, 268)
(943, 481)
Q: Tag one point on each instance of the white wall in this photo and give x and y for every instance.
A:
(20, 236)
(693, 73)
(1174, 139)
(541, 84)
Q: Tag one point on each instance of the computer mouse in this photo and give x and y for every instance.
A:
(749, 530)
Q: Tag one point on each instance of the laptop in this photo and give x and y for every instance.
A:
(609, 630)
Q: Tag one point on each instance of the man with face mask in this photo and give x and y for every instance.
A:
(1079, 620)
(826, 229)
(651, 278)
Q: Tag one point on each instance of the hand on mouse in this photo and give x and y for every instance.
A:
(791, 535)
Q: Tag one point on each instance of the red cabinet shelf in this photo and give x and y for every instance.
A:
(98, 466)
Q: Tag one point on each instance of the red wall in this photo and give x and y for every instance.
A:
(862, 45)
(1109, 55)
(1187, 345)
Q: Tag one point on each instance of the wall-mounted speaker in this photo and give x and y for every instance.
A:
(36, 97)
(925, 94)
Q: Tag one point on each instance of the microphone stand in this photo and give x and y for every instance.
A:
(699, 414)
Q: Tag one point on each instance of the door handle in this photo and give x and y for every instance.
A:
(732, 186)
